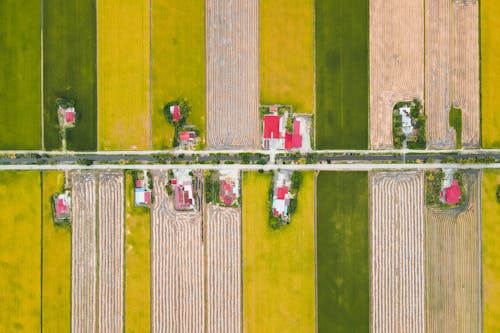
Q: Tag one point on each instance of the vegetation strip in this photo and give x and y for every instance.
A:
(20, 98)
(287, 54)
(342, 74)
(278, 264)
(56, 254)
(124, 74)
(343, 275)
(20, 252)
(69, 70)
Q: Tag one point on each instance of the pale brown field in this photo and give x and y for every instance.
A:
(232, 73)
(84, 253)
(396, 62)
(111, 255)
(223, 269)
(177, 265)
(452, 70)
(453, 264)
(397, 252)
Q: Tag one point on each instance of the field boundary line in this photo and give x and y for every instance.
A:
(97, 73)
(41, 77)
(41, 248)
(316, 173)
(150, 90)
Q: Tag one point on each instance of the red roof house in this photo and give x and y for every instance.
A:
(288, 141)
(184, 136)
(176, 113)
(138, 183)
(147, 197)
(282, 191)
(70, 117)
(271, 127)
(61, 207)
(451, 194)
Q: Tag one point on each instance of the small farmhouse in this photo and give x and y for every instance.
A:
(182, 184)
(451, 195)
(142, 191)
(176, 112)
(281, 195)
(66, 116)
(62, 207)
(229, 187)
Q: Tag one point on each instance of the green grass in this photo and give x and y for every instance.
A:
(455, 121)
(491, 251)
(490, 72)
(342, 74)
(137, 268)
(69, 70)
(342, 252)
(20, 248)
(278, 264)
(20, 121)
(56, 270)
(178, 54)
(287, 54)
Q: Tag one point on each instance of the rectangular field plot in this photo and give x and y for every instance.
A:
(397, 293)
(452, 71)
(69, 70)
(490, 72)
(232, 69)
(342, 74)
(453, 264)
(20, 119)
(396, 62)
(491, 251)
(342, 252)
(286, 53)
(178, 60)
(278, 265)
(137, 258)
(177, 288)
(20, 252)
(123, 60)
(223, 244)
(56, 270)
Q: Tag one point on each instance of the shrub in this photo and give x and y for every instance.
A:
(455, 121)
(498, 193)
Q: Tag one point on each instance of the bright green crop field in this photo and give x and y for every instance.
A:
(69, 70)
(343, 275)
(342, 74)
(20, 119)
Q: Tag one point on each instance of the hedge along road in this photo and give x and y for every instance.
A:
(342, 74)
(69, 70)
(343, 275)
(20, 71)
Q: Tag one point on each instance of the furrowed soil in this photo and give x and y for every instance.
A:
(20, 251)
(342, 97)
(453, 264)
(69, 70)
(20, 97)
(272, 256)
(343, 252)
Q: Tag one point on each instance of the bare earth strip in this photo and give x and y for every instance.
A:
(111, 257)
(453, 264)
(232, 67)
(452, 70)
(223, 269)
(397, 252)
(177, 265)
(396, 62)
(83, 247)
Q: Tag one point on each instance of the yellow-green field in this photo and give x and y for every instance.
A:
(490, 72)
(137, 268)
(123, 62)
(56, 270)
(286, 53)
(491, 251)
(20, 248)
(278, 265)
(178, 39)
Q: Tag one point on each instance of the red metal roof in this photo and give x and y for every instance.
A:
(282, 191)
(70, 117)
(184, 136)
(147, 197)
(61, 207)
(296, 127)
(288, 141)
(176, 115)
(296, 140)
(138, 183)
(453, 193)
(271, 127)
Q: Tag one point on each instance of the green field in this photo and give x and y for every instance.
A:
(343, 252)
(278, 265)
(69, 70)
(342, 74)
(20, 248)
(490, 72)
(491, 251)
(178, 54)
(287, 53)
(137, 268)
(20, 120)
(56, 260)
